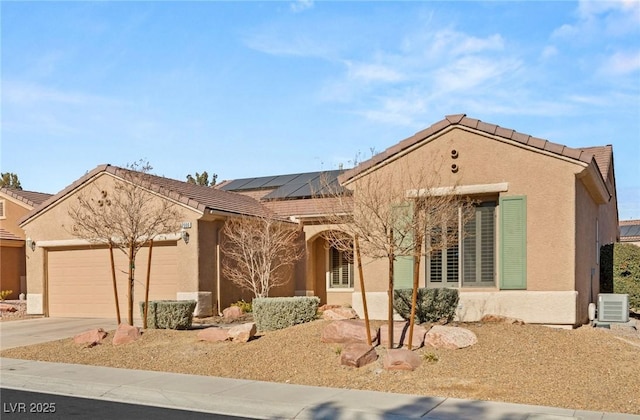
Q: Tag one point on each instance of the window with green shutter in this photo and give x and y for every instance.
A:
(513, 243)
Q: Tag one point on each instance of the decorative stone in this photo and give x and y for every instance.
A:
(326, 306)
(401, 335)
(440, 336)
(401, 359)
(501, 319)
(348, 331)
(214, 334)
(126, 334)
(339, 313)
(358, 355)
(232, 312)
(91, 337)
(243, 333)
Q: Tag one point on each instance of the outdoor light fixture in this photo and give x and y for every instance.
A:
(31, 244)
(185, 236)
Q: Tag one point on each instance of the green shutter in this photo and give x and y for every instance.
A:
(513, 242)
(403, 264)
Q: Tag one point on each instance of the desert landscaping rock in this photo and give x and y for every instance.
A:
(91, 337)
(401, 359)
(348, 331)
(232, 313)
(6, 307)
(524, 364)
(358, 355)
(401, 335)
(243, 333)
(126, 334)
(214, 334)
(335, 314)
(444, 337)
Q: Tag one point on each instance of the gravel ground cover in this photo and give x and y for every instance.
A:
(586, 368)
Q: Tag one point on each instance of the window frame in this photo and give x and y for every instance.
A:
(344, 261)
(3, 208)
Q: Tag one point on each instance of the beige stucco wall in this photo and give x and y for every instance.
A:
(547, 181)
(13, 211)
(55, 224)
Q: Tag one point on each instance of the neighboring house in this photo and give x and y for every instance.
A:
(543, 211)
(630, 232)
(72, 277)
(13, 205)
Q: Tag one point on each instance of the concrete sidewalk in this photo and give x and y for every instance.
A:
(261, 400)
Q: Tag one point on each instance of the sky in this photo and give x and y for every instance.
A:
(244, 89)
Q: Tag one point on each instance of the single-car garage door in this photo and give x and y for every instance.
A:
(80, 285)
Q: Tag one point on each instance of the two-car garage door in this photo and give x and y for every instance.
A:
(79, 282)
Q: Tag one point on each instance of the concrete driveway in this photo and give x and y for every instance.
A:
(40, 330)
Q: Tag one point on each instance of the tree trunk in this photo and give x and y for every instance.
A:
(416, 278)
(364, 296)
(146, 292)
(390, 291)
(115, 284)
(132, 267)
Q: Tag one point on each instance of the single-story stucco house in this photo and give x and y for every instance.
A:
(542, 212)
(14, 204)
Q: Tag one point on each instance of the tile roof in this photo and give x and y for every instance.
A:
(198, 197)
(602, 155)
(5, 235)
(585, 155)
(31, 198)
(629, 230)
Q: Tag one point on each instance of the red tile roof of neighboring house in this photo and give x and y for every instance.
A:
(198, 197)
(31, 198)
(8, 236)
(585, 155)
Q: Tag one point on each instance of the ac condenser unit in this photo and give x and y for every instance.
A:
(613, 307)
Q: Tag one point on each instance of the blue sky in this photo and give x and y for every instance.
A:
(261, 88)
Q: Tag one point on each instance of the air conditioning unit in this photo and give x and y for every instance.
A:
(613, 307)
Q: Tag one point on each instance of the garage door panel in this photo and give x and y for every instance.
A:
(80, 284)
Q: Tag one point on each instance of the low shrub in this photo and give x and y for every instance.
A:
(432, 304)
(169, 314)
(283, 312)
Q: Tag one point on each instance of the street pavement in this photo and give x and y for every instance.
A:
(246, 398)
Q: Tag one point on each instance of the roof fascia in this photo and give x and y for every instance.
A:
(17, 201)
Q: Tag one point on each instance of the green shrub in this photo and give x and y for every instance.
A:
(626, 273)
(432, 304)
(283, 312)
(169, 314)
(245, 306)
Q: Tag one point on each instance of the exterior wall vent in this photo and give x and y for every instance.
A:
(613, 307)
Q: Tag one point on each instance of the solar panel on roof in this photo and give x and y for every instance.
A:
(258, 182)
(280, 180)
(630, 230)
(236, 184)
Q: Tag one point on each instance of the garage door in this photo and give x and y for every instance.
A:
(80, 284)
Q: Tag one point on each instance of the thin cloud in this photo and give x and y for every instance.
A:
(300, 5)
(622, 63)
(371, 72)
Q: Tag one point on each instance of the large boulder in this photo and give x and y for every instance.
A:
(358, 355)
(214, 334)
(401, 359)
(401, 335)
(339, 313)
(440, 336)
(232, 313)
(243, 333)
(91, 337)
(126, 334)
(348, 331)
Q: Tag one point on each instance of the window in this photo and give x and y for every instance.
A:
(340, 269)
(468, 260)
(2, 215)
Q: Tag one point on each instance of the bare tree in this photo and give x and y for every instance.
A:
(126, 216)
(392, 212)
(258, 252)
